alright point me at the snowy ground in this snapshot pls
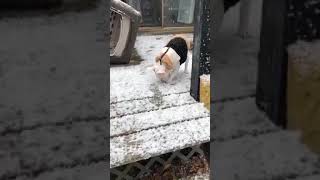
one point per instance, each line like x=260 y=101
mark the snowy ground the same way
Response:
x=139 y=81
x=146 y=114
x=247 y=146
x=56 y=130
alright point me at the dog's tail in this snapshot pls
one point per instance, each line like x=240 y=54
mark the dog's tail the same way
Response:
x=188 y=40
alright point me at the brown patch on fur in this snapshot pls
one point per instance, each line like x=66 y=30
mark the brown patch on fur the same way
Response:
x=166 y=60
x=157 y=58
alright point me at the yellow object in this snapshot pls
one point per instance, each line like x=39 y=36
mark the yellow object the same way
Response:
x=303 y=98
x=205 y=90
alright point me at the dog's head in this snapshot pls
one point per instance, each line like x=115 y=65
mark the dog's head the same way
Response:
x=163 y=67
x=165 y=63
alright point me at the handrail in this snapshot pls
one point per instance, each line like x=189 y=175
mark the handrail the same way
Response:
x=125 y=9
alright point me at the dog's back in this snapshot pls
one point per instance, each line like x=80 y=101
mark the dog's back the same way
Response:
x=179 y=45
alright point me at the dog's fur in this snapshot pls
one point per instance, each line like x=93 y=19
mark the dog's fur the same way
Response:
x=174 y=54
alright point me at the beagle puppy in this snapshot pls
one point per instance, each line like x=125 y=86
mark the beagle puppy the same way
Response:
x=171 y=57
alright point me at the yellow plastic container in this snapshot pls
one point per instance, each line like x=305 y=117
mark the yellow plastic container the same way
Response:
x=205 y=90
x=303 y=97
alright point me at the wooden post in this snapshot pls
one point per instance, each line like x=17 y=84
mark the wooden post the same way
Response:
x=201 y=40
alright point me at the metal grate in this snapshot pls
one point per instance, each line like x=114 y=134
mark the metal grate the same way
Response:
x=115 y=19
x=142 y=168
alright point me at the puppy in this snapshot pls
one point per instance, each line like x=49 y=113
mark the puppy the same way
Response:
x=171 y=57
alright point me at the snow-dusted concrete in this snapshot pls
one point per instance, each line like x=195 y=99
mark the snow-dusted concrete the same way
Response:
x=312 y=177
x=246 y=145
x=52 y=107
x=149 y=117
x=263 y=157
x=153 y=119
x=149 y=104
x=156 y=141
x=94 y=171
x=237 y=118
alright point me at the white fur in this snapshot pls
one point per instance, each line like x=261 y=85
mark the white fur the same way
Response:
x=171 y=75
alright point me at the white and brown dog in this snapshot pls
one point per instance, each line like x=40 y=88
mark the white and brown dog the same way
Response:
x=171 y=57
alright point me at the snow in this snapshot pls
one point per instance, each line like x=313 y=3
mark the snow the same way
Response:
x=149 y=117
x=149 y=143
x=305 y=56
x=120 y=109
x=205 y=77
x=130 y=82
x=46 y=71
x=137 y=122
x=237 y=118
x=47 y=80
x=84 y=172
x=247 y=145
x=270 y=156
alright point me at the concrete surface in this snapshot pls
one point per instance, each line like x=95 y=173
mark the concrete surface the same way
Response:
x=52 y=107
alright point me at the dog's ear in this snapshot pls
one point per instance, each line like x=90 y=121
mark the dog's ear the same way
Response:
x=167 y=61
x=157 y=58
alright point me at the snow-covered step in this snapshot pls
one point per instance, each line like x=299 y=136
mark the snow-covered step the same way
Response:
x=138 y=82
x=263 y=157
x=153 y=142
x=234 y=82
x=94 y=171
x=149 y=104
x=312 y=177
x=153 y=119
x=233 y=51
x=237 y=118
x=50 y=147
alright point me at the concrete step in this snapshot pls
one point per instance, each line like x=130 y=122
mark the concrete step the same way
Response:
x=233 y=119
x=124 y=108
x=312 y=177
x=46 y=148
x=154 y=119
x=234 y=82
x=153 y=142
x=137 y=82
x=93 y=171
x=270 y=156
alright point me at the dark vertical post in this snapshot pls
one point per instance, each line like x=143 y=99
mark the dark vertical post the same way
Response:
x=272 y=63
x=201 y=40
x=283 y=23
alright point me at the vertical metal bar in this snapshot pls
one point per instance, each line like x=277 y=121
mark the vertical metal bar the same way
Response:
x=272 y=62
x=201 y=39
x=162 y=13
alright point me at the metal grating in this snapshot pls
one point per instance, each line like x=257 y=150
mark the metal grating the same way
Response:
x=115 y=19
x=142 y=168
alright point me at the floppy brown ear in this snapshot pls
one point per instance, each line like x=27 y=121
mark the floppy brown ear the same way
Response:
x=166 y=60
x=157 y=58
